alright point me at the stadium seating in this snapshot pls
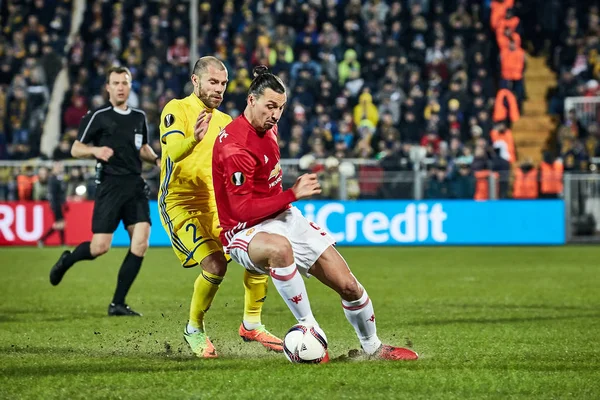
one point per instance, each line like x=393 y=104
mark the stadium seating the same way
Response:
x=575 y=57
x=367 y=79
x=34 y=35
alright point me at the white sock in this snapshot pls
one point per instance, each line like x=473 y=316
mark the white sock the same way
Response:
x=362 y=317
x=251 y=325
x=290 y=286
x=192 y=329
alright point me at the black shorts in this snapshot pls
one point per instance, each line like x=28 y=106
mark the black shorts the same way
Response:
x=120 y=198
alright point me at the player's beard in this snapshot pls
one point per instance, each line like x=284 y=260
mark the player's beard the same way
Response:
x=207 y=99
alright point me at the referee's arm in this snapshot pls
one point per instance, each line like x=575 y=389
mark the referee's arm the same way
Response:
x=82 y=150
x=88 y=129
x=147 y=154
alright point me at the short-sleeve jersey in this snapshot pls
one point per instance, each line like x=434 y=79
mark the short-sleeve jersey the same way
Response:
x=125 y=132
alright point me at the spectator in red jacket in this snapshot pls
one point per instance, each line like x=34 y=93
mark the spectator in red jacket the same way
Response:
x=75 y=112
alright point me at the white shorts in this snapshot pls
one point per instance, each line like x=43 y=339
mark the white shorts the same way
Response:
x=308 y=240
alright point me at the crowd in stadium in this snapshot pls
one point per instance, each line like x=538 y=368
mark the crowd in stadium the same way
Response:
x=575 y=57
x=367 y=79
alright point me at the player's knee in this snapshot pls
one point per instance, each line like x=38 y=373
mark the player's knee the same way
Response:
x=139 y=247
x=99 y=248
x=281 y=253
x=350 y=289
x=140 y=238
x=215 y=264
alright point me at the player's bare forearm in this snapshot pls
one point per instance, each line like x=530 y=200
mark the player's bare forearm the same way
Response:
x=82 y=150
x=147 y=154
x=178 y=147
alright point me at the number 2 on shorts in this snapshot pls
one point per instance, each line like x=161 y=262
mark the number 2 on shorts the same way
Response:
x=187 y=228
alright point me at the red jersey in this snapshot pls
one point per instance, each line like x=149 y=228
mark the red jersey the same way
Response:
x=247 y=177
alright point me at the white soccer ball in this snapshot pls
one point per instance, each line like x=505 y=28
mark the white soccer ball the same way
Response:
x=305 y=344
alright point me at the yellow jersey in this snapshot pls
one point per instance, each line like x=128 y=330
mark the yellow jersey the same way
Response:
x=186 y=185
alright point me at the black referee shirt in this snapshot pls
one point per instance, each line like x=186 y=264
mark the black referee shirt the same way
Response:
x=123 y=131
x=56 y=192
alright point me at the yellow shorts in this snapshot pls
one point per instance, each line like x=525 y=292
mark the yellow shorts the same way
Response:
x=194 y=236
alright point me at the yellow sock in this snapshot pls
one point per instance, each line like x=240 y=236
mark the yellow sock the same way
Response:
x=205 y=289
x=255 y=286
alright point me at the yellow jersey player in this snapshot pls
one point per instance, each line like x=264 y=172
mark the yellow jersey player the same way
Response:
x=188 y=211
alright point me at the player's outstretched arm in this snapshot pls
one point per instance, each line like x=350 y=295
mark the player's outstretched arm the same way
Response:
x=245 y=207
x=179 y=147
x=306 y=186
x=239 y=168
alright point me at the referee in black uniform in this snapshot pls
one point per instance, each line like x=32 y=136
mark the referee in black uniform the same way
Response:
x=57 y=200
x=116 y=135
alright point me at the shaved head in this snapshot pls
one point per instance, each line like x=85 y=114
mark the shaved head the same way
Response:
x=203 y=63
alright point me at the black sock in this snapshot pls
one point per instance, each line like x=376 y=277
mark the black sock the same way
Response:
x=81 y=252
x=62 y=236
x=47 y=234
x=129 y=270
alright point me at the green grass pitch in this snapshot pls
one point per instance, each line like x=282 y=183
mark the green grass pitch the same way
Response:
x=490 y=322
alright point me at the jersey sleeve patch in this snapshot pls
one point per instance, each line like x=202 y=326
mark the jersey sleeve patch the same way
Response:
x=238 y=178
x=169 y=120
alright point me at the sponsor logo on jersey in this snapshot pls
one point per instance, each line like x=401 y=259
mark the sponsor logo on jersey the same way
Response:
x=169 y=120
x=277 y=174
x=266 y=159
x=275 y=171
x=238 y=178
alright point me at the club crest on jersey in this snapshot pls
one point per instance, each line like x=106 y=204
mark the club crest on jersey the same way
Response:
x=275 y=171
x=169 y=120
x=238 y=178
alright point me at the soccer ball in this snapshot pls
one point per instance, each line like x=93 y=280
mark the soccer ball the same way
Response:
x=305 y=344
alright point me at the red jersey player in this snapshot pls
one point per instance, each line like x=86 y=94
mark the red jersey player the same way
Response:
x=265 y=234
